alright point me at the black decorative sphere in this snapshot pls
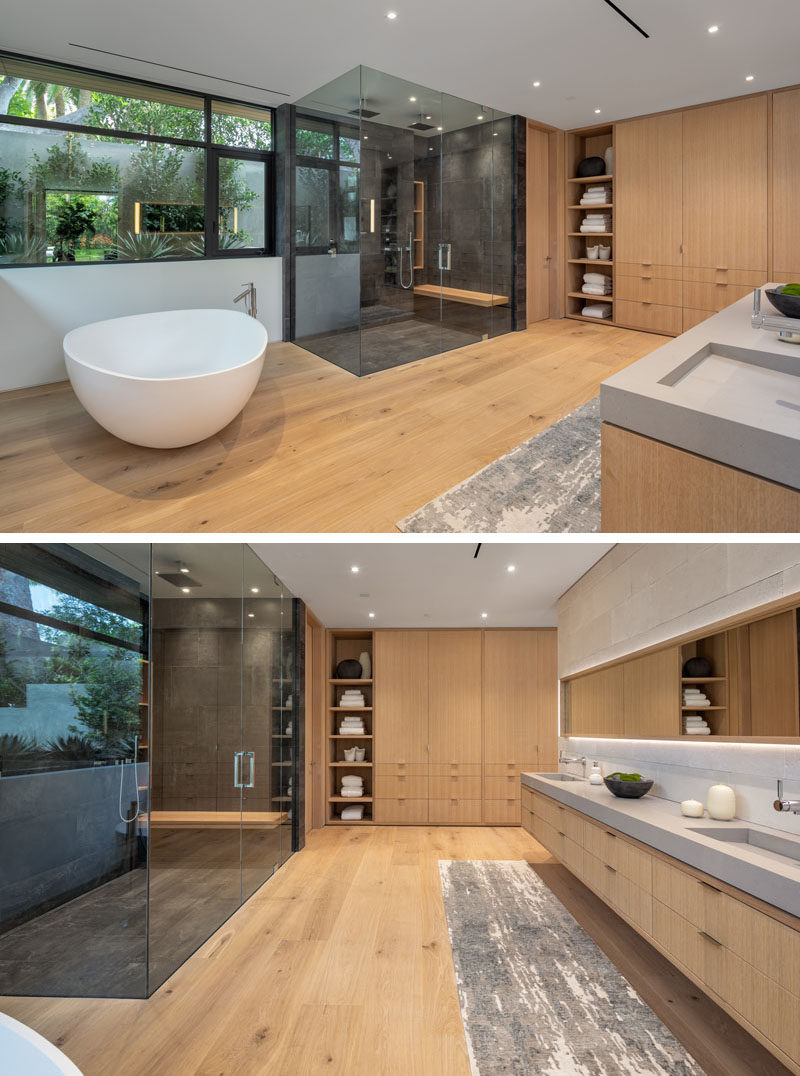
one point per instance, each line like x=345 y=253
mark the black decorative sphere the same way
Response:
x=591 y=166
x=349 y=669
x=697 y=667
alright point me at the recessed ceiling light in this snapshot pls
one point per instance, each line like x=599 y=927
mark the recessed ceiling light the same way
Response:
x=495 y=134
x=713 y=29
x=440 y=128
x=480 y=117
x=254 y=590
x=391 y=14
x=251 y=615
x=511 y=568
x=354 y=569
x=749 y=78
x=371 y=616
x=597 y=112
x=537 y=85
x=430 y=149
x=186 y=590
x=184 y=570
x=412 y=98
x=484 y=616
x=427 y=117
x=366 y=138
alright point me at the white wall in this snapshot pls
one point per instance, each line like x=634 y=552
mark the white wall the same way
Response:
x=39 y=305
x=639 y=595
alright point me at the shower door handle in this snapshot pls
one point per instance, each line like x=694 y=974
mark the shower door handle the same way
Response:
x=237 y=769
x=445 y=254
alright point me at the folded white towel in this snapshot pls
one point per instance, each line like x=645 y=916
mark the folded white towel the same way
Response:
x=596 y=310
x=593 y=188
x=595 y=289
x=352 y=814
x=698 y=732
x=594 y=199
x=597 y=216
x=346 y=730
x=352 y=793
x=592 y=227
x=596 y=278
x=351 y=779
x=696 y=722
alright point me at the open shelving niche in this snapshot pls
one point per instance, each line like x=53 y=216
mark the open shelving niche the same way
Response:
x=343 y=644
x=715 y=685
x=589 y=142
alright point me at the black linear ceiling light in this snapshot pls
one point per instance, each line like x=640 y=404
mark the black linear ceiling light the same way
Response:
x=627 y=18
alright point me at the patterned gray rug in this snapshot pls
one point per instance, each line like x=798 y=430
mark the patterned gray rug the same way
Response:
x=537 y=995
x=550 y=483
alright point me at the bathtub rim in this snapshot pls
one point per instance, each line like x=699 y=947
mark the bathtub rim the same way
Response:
x=70 y=355
x=47 y=1049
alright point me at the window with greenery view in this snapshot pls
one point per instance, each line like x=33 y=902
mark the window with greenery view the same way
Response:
x=126 y=180
x=326 y=185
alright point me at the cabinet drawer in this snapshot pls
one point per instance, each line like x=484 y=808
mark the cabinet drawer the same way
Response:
x=747 y=278
x=572 y=856
x=658 y=272
x=692 y=317
x=397 y=769
x=648 y=289
x=526 y=819
x=403 y=786
x=455 y=812
x=500 y=769
x=635 y=903
x=502 y=788
x=548 y=836
x=498 y=812
x=600 y=876
x=549 y=811
x=572 y=824
x=526 y=796
x=454 y=787
x=400 y=812
x=660 y=319
x=445 y=769
x=712 y=296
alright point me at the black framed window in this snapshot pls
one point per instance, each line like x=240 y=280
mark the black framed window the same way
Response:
x=326 y=185
x=99 y=169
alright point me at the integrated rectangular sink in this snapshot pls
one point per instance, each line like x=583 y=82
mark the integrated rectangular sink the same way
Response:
x=740 y=384
x=558 y=776
x=770 y=845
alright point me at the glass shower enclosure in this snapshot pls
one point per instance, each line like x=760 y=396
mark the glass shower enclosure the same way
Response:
x=150 y=710
x=403 y=222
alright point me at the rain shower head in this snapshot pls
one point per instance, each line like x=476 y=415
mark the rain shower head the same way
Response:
x=179 y=579
x=362 y=111
x=420 y=126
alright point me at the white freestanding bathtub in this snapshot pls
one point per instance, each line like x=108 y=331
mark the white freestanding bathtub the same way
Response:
x=167 y=379
x=24 y=1052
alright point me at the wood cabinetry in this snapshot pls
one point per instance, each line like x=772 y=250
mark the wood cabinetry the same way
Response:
x=401 y=696
x=648 y=156
x=454 y=696
x=773 y=688
x=785 y=172
x=595 y=703
x=743 y=953
x=650 y=694
x=725 y=185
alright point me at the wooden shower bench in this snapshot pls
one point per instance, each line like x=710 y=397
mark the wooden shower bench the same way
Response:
x=459 y=295
x=214 y=819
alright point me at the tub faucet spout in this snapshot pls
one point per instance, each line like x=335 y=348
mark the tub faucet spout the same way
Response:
x=249 y=294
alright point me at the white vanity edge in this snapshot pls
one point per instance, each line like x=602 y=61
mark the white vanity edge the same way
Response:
x=634 y=400
x=660 y=824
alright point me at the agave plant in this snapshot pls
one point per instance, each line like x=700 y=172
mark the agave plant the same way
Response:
x=144 y=246
x=72 y=749
x=13 y=746
x=15 y=248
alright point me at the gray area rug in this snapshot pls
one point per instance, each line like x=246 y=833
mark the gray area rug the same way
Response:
x=537 y=995
x=550 y=483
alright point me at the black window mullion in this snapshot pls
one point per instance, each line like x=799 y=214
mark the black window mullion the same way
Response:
x=211 y=208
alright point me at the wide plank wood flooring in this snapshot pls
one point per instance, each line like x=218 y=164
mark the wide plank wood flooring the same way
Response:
x=341 y=964
x=316 y=449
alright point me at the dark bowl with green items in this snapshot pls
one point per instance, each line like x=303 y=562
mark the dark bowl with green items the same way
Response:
x=786 y=299
x=628 y=786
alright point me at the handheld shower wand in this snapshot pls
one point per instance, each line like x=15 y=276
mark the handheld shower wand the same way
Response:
x=410 y=249
x=137 y=812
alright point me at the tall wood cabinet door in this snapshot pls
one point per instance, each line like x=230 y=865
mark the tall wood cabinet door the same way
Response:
x=648 y=196
x=520 y=693
x=773 y=676
x=596 y=704
x=725 y=185
x=454 y=696
x=401 y=696
x=651 y=694
x=785 y=173
x=547 y=700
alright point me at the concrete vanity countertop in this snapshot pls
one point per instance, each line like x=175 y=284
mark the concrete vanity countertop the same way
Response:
x=660 y=824
x=745 y=414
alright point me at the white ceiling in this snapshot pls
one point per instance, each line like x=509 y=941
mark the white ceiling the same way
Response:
x=582 y=52
x=412 y=584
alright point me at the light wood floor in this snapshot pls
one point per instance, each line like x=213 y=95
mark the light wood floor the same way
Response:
x=342 y=964
x=316 y=449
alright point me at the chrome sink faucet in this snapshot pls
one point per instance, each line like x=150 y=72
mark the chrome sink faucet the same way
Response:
x=781 y=804
x=567 y=759
x=249 y=294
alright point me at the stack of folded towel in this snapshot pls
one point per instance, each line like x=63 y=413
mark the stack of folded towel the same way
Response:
x=694 y=697
x=352 y=698
x=596 y=310
x=596 y=284
x=596 y=222
x=354 y=813
x=695 y=725
x=599 y=194
x=352 y=787
x=352 y=726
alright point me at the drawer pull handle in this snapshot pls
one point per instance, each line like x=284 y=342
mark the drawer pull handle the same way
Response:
x=722 y=268
x=708 y=885
x=646 y=263
x=649 y=277
x=608 y=867
x=561 y=833
x=608 y=833
x=708 y=938
x=645 y=302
